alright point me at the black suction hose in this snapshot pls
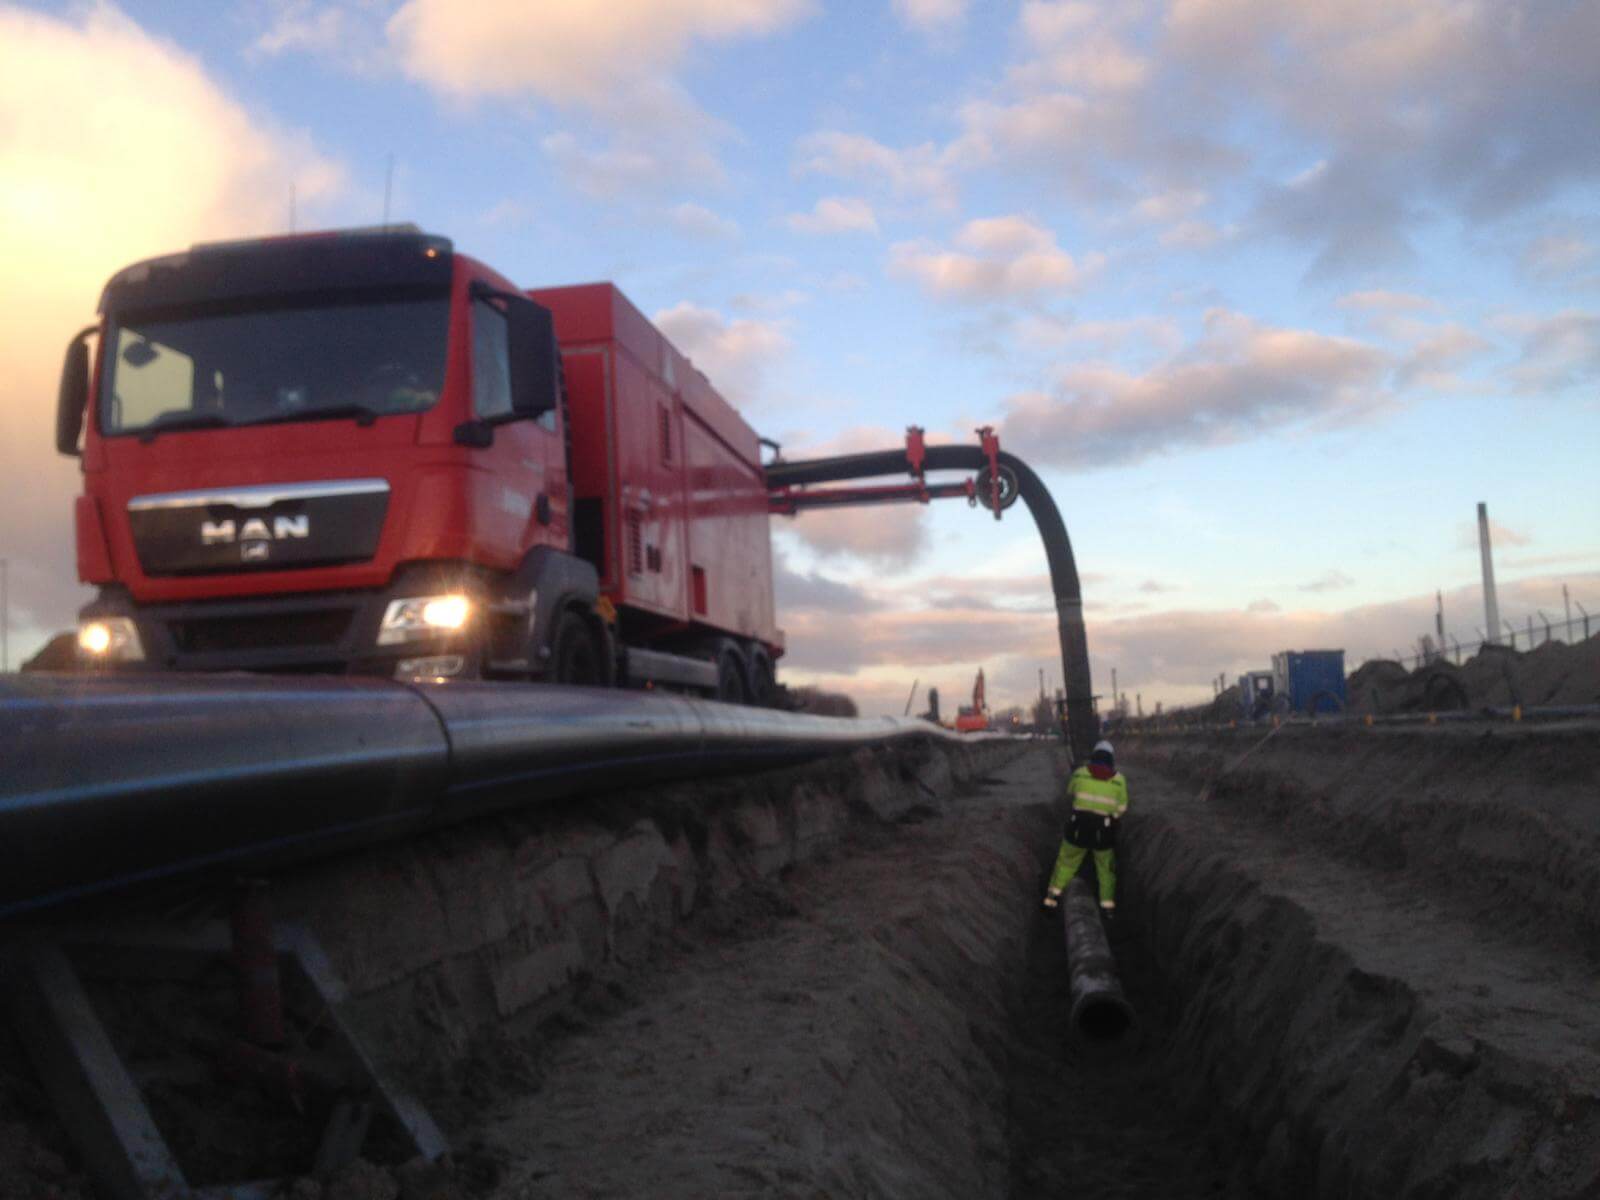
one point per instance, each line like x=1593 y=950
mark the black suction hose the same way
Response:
x=1082 y=727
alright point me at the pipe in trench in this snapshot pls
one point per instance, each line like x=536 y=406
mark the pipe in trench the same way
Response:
x=1100 y=1012
x=1082 y=726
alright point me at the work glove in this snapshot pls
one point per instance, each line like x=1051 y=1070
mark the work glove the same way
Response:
x=1051 y=896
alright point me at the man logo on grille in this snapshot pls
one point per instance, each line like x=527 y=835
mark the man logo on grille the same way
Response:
x=256 y=529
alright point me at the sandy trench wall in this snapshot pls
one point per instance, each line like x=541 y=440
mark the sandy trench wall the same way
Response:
x=438 y=938
x=1338 y=1081
x=1507 y=820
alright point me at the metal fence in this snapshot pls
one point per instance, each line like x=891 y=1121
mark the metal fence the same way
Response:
x=1527 y=634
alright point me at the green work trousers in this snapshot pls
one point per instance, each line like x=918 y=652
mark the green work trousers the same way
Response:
x=1070 y=858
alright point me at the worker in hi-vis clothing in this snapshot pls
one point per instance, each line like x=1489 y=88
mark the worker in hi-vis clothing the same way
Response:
x=1099 y=796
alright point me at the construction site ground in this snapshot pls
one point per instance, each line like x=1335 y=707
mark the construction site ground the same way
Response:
x=1359 y=968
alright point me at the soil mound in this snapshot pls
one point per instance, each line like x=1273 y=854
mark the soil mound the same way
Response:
x=1552 y=674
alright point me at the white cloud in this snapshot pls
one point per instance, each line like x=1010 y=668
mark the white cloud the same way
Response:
x=1433 y=362
x=1240 y=379
x=1192 y=235
x=628 y=166
x=1106 y=338
x=697 y=221
x=931 y=16
x=136 y=151
x=1387 y=302
x=615 y=62
x=1407 y=111
x=891 y=536
x=1046 y=23
x=569 y=51
x=302 y=25
x=1170 y=205
x=922 y=172
x=1557 y=352
x=1500 y=536
x=735 y=355
x=835 y=214
x=1558 y=256
x=1332 y=580
x=995 y=258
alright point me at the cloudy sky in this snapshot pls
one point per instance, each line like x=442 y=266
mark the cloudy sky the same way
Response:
x=1272 y=293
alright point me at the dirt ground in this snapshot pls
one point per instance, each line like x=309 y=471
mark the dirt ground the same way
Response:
x=1366 y=965
x=1389 y=951
x=886 y=1023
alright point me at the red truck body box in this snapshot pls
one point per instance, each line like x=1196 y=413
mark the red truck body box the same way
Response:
x=669 y=495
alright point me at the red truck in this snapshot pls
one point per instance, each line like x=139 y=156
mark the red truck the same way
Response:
x=362 y=452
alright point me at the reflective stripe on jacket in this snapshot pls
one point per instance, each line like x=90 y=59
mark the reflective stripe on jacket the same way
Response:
x=1108 y=797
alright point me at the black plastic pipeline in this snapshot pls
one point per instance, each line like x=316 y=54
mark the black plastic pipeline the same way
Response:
x=1100 y=1012
x=107 y=781
x=1082 y=727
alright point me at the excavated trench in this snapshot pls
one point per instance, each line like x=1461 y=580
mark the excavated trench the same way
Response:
x=836 y=981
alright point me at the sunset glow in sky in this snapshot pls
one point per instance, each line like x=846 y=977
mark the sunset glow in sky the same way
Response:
x=1272 y=293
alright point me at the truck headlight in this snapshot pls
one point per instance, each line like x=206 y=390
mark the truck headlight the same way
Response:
x=110 y=639
x=423 y=616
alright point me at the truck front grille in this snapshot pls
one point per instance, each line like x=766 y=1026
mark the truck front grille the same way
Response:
x=274 y=631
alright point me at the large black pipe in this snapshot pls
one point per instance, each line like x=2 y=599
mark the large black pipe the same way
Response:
x=109 y=780
x=1082 y=726
x=1100 y=1012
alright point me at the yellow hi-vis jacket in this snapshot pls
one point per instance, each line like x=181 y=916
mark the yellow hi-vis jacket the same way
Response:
x=1104 y=797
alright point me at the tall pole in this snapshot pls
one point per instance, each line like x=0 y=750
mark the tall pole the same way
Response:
x=1438 y=619
x=1566 y=603
x=1113 y=689
x=1491 y=603
x=389 y=181
x=5 y=615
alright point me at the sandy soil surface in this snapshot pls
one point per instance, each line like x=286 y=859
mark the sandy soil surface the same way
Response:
x=816 y=1038
x=1400 y=933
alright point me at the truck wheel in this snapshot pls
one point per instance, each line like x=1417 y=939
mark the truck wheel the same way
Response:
x=573 y=654
x=732 y=684
x=763 y=681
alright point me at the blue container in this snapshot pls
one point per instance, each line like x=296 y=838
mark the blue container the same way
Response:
x=1312 y=681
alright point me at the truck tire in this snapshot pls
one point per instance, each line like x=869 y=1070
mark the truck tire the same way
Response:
x=574 y=657
x=733 y=680
x=763 y=680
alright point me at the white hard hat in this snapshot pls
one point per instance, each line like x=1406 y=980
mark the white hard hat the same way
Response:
x=1105 y=746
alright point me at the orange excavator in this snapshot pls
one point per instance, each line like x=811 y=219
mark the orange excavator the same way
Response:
x=974 y=718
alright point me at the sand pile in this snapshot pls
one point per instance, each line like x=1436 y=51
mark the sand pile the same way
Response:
x=1554 y=673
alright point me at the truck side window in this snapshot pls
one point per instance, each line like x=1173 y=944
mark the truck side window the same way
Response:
x=491 y=364
x=152 y=379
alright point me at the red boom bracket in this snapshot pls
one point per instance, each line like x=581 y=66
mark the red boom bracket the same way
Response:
x=994 y=487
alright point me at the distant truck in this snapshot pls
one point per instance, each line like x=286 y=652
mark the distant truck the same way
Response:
x=363 y=452
x=1256 y=693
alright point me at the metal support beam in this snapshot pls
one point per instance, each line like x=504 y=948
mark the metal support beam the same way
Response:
x=95 y=1097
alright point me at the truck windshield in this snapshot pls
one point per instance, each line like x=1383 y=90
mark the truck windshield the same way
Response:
x=208 y=369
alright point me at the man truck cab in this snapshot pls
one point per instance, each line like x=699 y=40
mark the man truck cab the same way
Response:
x=363 y=452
